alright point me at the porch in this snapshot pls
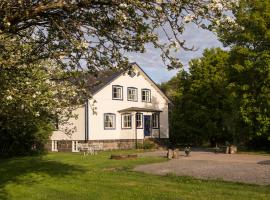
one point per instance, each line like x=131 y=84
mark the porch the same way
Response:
x=143 y=122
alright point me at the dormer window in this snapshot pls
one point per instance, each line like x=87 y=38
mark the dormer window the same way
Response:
x=146 y=95
x=132 y=94
x=117 y=92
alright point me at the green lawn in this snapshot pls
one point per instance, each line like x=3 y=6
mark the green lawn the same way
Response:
x=72 y=176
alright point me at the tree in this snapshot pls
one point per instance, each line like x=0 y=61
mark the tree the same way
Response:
x=204 y=104
x=99 y=31
x=45 y=44
x=229 y=92
x=249 y=39
x=34 y=97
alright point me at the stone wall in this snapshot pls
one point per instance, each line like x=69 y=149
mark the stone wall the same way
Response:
x=66 y=145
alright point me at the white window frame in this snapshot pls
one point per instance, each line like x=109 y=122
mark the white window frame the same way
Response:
x=134 y=95
x=54 y=145
x=120 y=88
x=113 y=120
x=140 y=119
x=127 y=121
x=147 y=95
x=75 y=146
x=155 y=121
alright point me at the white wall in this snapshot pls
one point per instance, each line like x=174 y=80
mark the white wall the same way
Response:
x=74 y=124
x=105 y=104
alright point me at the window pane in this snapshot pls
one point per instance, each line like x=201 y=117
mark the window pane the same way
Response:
x=132 y=94
x=139 y=120
x=143 y=96
x=109 y=121
x=126 y=121
x=155 y=121
x=146 y=95
x=117 y=92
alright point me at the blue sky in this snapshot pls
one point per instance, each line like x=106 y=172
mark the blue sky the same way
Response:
x=153 y=65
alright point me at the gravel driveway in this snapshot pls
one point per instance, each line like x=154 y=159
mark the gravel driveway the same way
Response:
x=244 y=168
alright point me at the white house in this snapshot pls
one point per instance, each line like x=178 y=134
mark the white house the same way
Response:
x=126 y=108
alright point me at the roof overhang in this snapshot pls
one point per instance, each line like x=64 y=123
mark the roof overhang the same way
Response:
x=137 y=109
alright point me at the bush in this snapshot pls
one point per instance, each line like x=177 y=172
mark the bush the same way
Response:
x=147 y=144
x=23 y=135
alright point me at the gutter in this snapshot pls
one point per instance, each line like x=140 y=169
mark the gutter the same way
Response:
x=86 y=121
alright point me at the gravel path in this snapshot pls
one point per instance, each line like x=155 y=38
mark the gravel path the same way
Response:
x=244 y=168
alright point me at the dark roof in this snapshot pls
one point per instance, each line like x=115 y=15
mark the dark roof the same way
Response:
x=137 y=109
x=95 y=82
x=102 y=80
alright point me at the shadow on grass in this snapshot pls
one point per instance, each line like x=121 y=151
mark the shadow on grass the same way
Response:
x=13 y=171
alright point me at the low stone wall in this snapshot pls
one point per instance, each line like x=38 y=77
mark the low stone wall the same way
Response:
x=66 y=145
x=116 y=144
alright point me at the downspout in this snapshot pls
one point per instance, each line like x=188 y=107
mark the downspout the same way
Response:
x=136 y=136
x=86 y=121
x=159 y=125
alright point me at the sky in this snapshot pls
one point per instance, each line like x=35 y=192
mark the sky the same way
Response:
x=151 y=61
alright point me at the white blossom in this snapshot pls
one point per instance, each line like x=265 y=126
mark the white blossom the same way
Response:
x=37 y=114
x=189 y=18
x=229 y=19
x=47 y=81
x=123 y=5
x=219 y=6
x=9 y=98
x=61 y=57
x=85 y=45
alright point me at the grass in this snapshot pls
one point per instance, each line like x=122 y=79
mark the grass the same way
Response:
x=72 y=176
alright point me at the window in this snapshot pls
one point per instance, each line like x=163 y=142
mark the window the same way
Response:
x=132 y=94
x=126 y=120
x=109 y=121
x=146 y=95
x=54 y=145
x=117 y=92
x=139 y=117
x=75 y=146
x=155 y=120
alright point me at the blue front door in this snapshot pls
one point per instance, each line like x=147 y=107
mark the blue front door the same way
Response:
x=147 y=125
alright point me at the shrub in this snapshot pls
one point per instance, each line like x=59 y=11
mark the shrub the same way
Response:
x=147 y=144
x=23 y=135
